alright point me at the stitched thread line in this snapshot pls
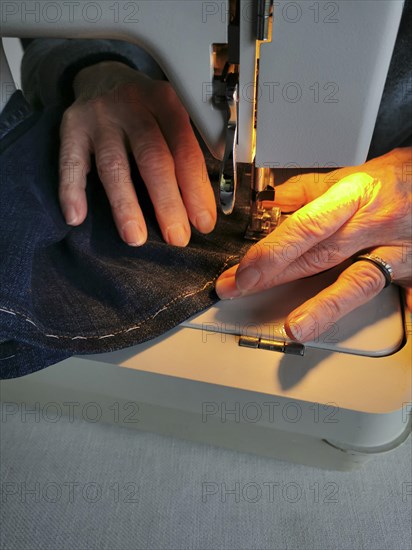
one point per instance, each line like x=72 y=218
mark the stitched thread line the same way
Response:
x=123 y=331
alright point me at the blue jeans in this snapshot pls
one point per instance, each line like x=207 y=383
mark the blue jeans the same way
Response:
x=65 y=290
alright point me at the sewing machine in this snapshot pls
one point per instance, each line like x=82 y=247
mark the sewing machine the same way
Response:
x=269 y=84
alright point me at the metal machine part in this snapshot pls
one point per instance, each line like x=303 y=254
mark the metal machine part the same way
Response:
x=291 y=348
x=264 y=15
x=228 y=173
x=263 y=218
x=324 y=59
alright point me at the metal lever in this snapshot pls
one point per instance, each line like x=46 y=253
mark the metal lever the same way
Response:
x=228 y=175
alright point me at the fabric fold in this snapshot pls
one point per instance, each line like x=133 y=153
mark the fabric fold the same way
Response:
x=79 y=290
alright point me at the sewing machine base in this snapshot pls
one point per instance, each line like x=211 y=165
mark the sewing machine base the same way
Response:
x=97 y=392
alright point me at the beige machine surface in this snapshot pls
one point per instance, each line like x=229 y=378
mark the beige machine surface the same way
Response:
x=292 y=74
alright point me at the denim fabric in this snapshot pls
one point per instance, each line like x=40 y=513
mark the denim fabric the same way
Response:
x=65 y=290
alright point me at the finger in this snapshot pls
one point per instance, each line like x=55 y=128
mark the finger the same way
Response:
x=328 y=254
x=304 y=186
x=409 y=299
x=345 y=243
x=300 y=189
x=358 y=284
x=74 y=165
x=114 y=172
x=299 y=233
x=157 y=169
x=190 y=166
x=226 y=284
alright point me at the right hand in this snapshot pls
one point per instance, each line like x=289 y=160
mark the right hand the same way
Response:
x=129 y=111
x=352 y=211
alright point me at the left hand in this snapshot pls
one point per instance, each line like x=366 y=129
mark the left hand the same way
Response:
x=361 y=209
x=130 y=112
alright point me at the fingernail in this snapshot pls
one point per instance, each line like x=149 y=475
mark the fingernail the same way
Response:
x=177 y=235
x=299 y=327
x=248 y=278
x=205 y=222
x=226 y=288
x=133 y=234
x=71 y=215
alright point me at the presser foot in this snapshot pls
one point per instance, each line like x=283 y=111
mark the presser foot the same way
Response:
x=262 y=222
x=263 y=219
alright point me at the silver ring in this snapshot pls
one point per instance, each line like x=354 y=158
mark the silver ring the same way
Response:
x=384 y=267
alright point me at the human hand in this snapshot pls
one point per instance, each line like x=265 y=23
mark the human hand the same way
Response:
x=336 y=216
x=129 y=111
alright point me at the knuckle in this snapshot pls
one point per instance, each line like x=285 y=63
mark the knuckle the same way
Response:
x=166 y=205
x=367 y=280
x=310 y=263
x=164 y=94
x=130 y=92
x=99 y=104
x=70 y=117
x=401 y=207
x=404 y=210
x=371 y=282
x=269 y=257
x=332 y=307
x=72 y=124
x=147 y=155
x=146 y=125
x=110 y=163
x=151 y=159
x=68 y=144
x=70 y=153
x=165 y=91
x=71 y=169
x=256 y=253
x=188 y=155
x=320 y=257
x=68 y=158
x=309 y=225
x=122 y=205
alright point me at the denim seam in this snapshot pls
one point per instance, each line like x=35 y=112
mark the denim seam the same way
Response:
x=9 y=357
x=130 y=329
x=13 y=120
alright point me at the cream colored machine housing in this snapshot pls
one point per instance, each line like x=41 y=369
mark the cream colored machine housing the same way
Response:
x=306 y=98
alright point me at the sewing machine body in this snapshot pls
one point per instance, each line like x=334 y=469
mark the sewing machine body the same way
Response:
x=312 y=103
x=319 y=82
x=309 y=80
